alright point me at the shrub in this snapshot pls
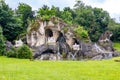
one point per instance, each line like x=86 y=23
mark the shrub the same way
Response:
x=2 y=43
x=65 y=29
x=12 y=53
x=81 y=33
x=24 y=52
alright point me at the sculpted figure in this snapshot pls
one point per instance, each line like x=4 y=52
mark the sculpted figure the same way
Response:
x=105 y=36
x=18 y=43
x=105 y=41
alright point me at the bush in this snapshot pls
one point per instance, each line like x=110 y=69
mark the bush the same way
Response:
x=81 y=33
x=24 y=52
x=12 y=53
x=65 y=29
x=2 y=43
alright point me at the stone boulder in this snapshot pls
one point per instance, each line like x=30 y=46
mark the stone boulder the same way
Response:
x=9 y=45
x=98 y=57
x=44 y=49
x=115 y=54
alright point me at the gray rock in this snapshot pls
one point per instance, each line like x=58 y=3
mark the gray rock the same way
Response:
x=9 y=45
x=49 y=56
x=115 y=54
x=107 y=55
x=44 y=57
x=98 y=57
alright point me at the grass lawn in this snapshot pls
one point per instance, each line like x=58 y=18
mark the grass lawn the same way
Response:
x=117 y=46
x=21 y=69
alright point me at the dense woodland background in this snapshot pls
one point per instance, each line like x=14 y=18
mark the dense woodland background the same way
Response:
x=95 y=21
x=91 y=21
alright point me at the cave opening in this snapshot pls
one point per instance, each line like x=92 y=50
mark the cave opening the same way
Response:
x=48 y=33
x=76 y=41
x=48 y=51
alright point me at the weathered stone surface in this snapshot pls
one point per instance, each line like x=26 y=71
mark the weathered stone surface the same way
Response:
x=107 y=55
x=49 y=56
x=105 y=42
x=43 y=49
x=115 y=54
x=98 y=57
x=18 y=43
x=9 y=45
x=50 y=41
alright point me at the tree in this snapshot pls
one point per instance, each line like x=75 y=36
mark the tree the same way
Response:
x=115 y=28
x=94 y=20
x=81 y=33
x=25 y=13
x=46 y=13
x=2 y=43
x=11 y=26
x=57 y=11
x=73 y=15
x=66 y=16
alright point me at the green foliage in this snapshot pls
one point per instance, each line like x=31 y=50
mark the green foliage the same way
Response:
x=56 y=11
x=24 y=52
x=12 y=53
x=94 y=20
x=45 y=13
x=117 y=46
x=65 y=29
x=33 y=26
x=66 y=16
x=24 y=13
x=81 y=33
x=10 y=24
x=115 y=28
x=71 y=11
x=12 y=30
x=2 y=43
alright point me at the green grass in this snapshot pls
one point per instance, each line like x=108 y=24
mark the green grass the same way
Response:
x=117 y=46
x=24 y=69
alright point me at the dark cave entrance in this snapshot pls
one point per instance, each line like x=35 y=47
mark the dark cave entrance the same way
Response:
x=75 y=41
x=48 y=51
x=48 y=33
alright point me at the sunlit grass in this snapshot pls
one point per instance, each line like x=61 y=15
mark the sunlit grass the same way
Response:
x=21 y=69
x=117 y=46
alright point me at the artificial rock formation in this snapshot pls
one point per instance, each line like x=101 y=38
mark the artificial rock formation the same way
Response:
x=105 y=41
x=49 y=37
x=18 y=43
x=43 y=32
x=55 y=40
